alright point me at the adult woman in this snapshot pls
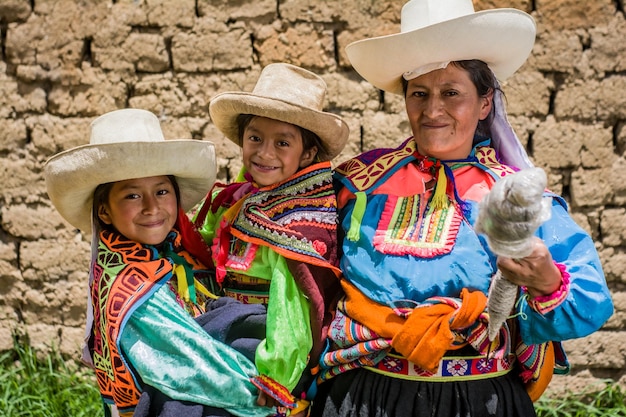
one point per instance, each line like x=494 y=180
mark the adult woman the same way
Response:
x=409 y=338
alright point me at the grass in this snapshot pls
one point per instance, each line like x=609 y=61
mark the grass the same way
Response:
x=36 y=386
x=608 y=402
x=33 y=385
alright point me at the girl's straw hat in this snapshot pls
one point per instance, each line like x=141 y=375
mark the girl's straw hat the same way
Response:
x=287 y=93
x=434 y=32
x=126 y=144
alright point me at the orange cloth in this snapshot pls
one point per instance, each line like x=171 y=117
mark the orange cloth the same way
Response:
x=426 y=335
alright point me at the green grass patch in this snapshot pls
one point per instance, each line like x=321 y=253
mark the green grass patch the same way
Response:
x=608 y=402
x=34 y=385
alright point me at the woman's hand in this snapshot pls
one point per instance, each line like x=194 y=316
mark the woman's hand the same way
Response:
x=537 y=272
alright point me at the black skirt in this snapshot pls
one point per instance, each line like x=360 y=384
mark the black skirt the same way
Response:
x=363 y=393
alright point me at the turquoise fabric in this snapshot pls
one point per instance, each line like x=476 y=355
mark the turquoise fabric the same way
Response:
x=183 y=361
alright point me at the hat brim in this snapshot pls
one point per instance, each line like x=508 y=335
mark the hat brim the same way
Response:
x=73 y=175
x=502 y=38
x=225 y=107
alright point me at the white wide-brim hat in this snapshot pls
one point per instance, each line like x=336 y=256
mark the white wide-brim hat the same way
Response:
x=440 y=31
x=287 y=93
x=126 y=144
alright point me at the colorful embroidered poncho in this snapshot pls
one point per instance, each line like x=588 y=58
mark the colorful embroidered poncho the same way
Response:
x=410 y=244
x=143 y=330
x=285 y=235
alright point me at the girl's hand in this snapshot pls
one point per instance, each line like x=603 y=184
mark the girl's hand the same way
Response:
x=265 y=400
x=537 y=272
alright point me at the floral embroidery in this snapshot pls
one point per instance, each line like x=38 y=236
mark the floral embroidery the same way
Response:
x=457 y=367
x=320 y=247
x=392 y=365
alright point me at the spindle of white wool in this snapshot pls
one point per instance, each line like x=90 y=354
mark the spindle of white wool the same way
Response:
x=508 y=217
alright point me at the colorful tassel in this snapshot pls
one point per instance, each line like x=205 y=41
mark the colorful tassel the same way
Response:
x=184 y=276
x=203 y=290
x=440 y=196
x=181 y=278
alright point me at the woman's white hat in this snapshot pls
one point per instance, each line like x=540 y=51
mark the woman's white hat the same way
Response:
x=433 y=32
x=287 y=93
x=126 y=144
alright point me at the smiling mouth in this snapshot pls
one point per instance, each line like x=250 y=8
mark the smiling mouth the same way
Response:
x=434 y=125
x=157 y=223
x=264 y=167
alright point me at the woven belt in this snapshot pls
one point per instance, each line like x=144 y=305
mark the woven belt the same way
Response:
x=247 y=289
x=248 y=297
x=450 y=368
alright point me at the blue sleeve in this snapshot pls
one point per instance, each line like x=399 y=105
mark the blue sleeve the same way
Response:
x=588 y=304
x=171 y=352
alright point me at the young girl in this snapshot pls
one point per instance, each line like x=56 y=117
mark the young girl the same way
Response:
x=131 y=187
x=273 y=234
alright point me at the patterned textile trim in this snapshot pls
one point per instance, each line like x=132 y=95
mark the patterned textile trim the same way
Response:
x=368 y=169
x=358 y=347
x=246 y=289
x=487 y=157
x=409 y=226
x=547 y=303
x=275 y=390
x=450 y=368
x=532 y=357
x=248 y=297
x=361 y=344
x=241 y=255
x=273 y=217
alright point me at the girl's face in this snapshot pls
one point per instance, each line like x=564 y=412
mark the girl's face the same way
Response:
x=273 y=150
x=444 y=109
x=142 y=209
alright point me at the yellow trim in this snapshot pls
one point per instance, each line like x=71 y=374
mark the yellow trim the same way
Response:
x=181 y=280
x=301 y=405
x=203 y=290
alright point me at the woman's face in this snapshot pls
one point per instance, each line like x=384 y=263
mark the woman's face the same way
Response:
x=444 y=108
x=273 y=150
x=143 y=209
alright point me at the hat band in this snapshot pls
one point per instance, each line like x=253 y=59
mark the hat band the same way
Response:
x=424 y=69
